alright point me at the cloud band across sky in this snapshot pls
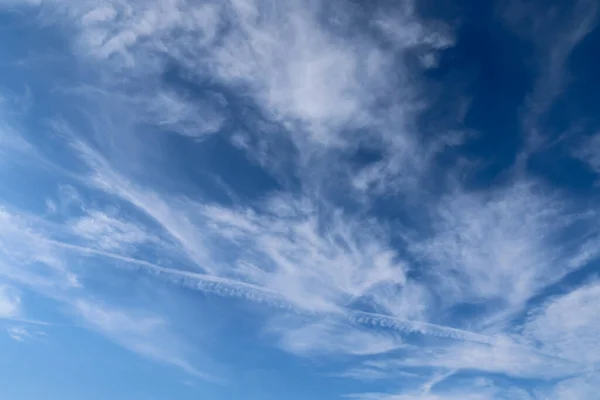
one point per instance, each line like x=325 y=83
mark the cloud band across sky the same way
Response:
x=402 y=195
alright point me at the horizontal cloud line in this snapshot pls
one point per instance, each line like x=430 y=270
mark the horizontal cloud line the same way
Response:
x=28 y=321
x=423 y=328
x=441 y=331
x=232 y=288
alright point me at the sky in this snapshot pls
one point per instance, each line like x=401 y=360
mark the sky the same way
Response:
x=299 y=199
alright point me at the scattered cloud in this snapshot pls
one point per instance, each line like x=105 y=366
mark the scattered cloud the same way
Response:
x=19 y=333
x=48 y=267
x=485 y=244
x=510 y=360
x=588 y=152
x=567 y=334
x=555 y=33
x=139 y=331
x=585 y=387
x=10 y=302
x=28 y=258
x=475 y=389
x=108 y=232
x=332 y=337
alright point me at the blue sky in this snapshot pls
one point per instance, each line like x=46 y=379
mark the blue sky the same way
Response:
x=259 y=199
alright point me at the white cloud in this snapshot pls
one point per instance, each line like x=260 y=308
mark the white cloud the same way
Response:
x=320 y=262
x=11 y=143
x=185 y=116
x=32 y=257
x=469 y=389
x=306 y=75
x=9 y=3
x=316 y=264
x=569 y=326
x=509 y=359
x=18 y=333
x=324 y=261
x=583 y=388
x=555 y=32
x=450 y=396
x=119 y=28
x=103 y=13
x=28 y=257
x=406 y=31
x=464 y=394
x=176 y=223
x=299 y=69
x=372 y=373
x=109 y=232
x=327 y=93
x=499 y=246
x=589 y=152
x=10 y=302
x=420 y=327
x=139 y=331
x=326 y=337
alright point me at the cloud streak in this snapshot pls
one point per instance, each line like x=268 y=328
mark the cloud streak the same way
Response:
x=10 y=302
x=361 y=236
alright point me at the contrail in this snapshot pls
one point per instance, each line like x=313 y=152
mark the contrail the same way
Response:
x=232 y=288
x=193 y=280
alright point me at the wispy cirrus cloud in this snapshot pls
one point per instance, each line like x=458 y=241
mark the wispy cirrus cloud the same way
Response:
x=498 y=240
x=276 y=246
x=355 y=248
x=540 y=26
x=280 y=246
x=10 y=302
x=584 y=387
x=18 y=333
x=312 y=81
x=22 y=333
x=558 y=330
x=457 y=394
x=587 y=151
x=23 y=243
x=12 y=315
x=139 y=331
x=332 y=336
x=35 y=259
x=108 y=232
